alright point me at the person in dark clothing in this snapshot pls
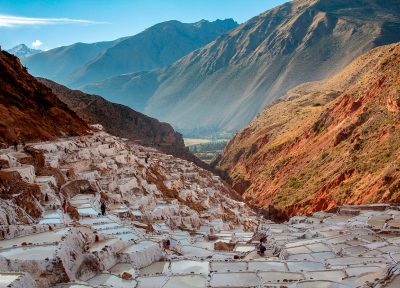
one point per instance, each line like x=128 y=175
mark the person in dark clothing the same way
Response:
x=103 y=208
x=146 y=159
x=261 y=247
x=15 y=145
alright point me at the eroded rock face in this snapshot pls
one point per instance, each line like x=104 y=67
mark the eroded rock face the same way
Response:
x=29 y=110
x=326 y=144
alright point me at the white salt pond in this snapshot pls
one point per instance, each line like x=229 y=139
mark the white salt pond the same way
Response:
x=186 y=281
x=195 y=251
x=8 y=278
x=244 y=279
x=244 y=248
x=30 y=252
x=155 y=268
x=40 y=238
x=228 y=266
x=267 y=266
x=151 y=282
x=189 y=266
x=98 y=246
x=140 y=246
x=279 y=277
x=110 y=280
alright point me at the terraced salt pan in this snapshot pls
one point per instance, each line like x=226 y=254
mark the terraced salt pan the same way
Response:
x=128 y=237
x=87 y=211
x=279 y=277
x=36 y=239
x=110 y=280
x=267 y=266
x=151 y=282
x=189 y=266
x=244 y=248
x=186 y=281
x=8 y=278
x=332 y=275
x=228 y=266
x=320 y=284
x=50 y=221
x=299 y=266
x=106 y=226
x=242 y=279
x=30 y=252
x=115 y=231
x=159 y=267
x=98 y=246
x=193 y=251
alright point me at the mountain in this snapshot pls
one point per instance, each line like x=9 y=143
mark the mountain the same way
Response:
x=326 y=143
x=58 y=63
x=124 y=122
x=223 y=85
x=155 y=47
x=29 y=111
x=22 y=51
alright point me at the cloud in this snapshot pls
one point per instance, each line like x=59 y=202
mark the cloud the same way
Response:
x=37 y=43
x=13 y=21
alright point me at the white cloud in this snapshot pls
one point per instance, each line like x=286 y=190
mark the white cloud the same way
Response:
x=12 y=21
x=37 y=43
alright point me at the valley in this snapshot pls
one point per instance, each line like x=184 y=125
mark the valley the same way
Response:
x=259 y=153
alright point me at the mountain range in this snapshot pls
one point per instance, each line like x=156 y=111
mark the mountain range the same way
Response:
x=155 y=47
x=326 y=143
x=224 y=84
x=23 y=51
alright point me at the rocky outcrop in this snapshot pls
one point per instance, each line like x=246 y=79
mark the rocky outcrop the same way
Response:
x=326 y=144
x=29 y=111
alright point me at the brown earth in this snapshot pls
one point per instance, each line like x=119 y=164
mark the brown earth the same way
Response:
x=29 y=111
x=326 y=143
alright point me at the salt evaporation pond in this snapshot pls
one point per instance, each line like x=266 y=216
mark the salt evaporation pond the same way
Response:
x=30 y=252
x=186 y=281
x=267 y=266
x=7 y=279
x=110 y=280
x=189 y=266
x=228 y=266
x=243 y=279
x=155 y=268
x=40 y=238
x=151 y=282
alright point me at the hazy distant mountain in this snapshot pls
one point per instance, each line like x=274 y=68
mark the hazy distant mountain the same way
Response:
x=22 y=51
x=223 y=85
x=58 y=63
x=156 y=47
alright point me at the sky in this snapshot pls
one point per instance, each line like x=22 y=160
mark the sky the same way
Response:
x=46 y=24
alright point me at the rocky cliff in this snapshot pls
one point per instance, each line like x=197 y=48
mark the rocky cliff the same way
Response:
x=326 y=144
x=29 y=111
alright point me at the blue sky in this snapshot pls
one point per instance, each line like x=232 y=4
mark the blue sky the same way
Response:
x=51 y=23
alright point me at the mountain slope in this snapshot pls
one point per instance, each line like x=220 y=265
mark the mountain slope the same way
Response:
x=122 y=121
x=155 y=47
x=29 y=111
x=226 y=83
x=22 y=51
x=58 y=63
x=327 y=143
